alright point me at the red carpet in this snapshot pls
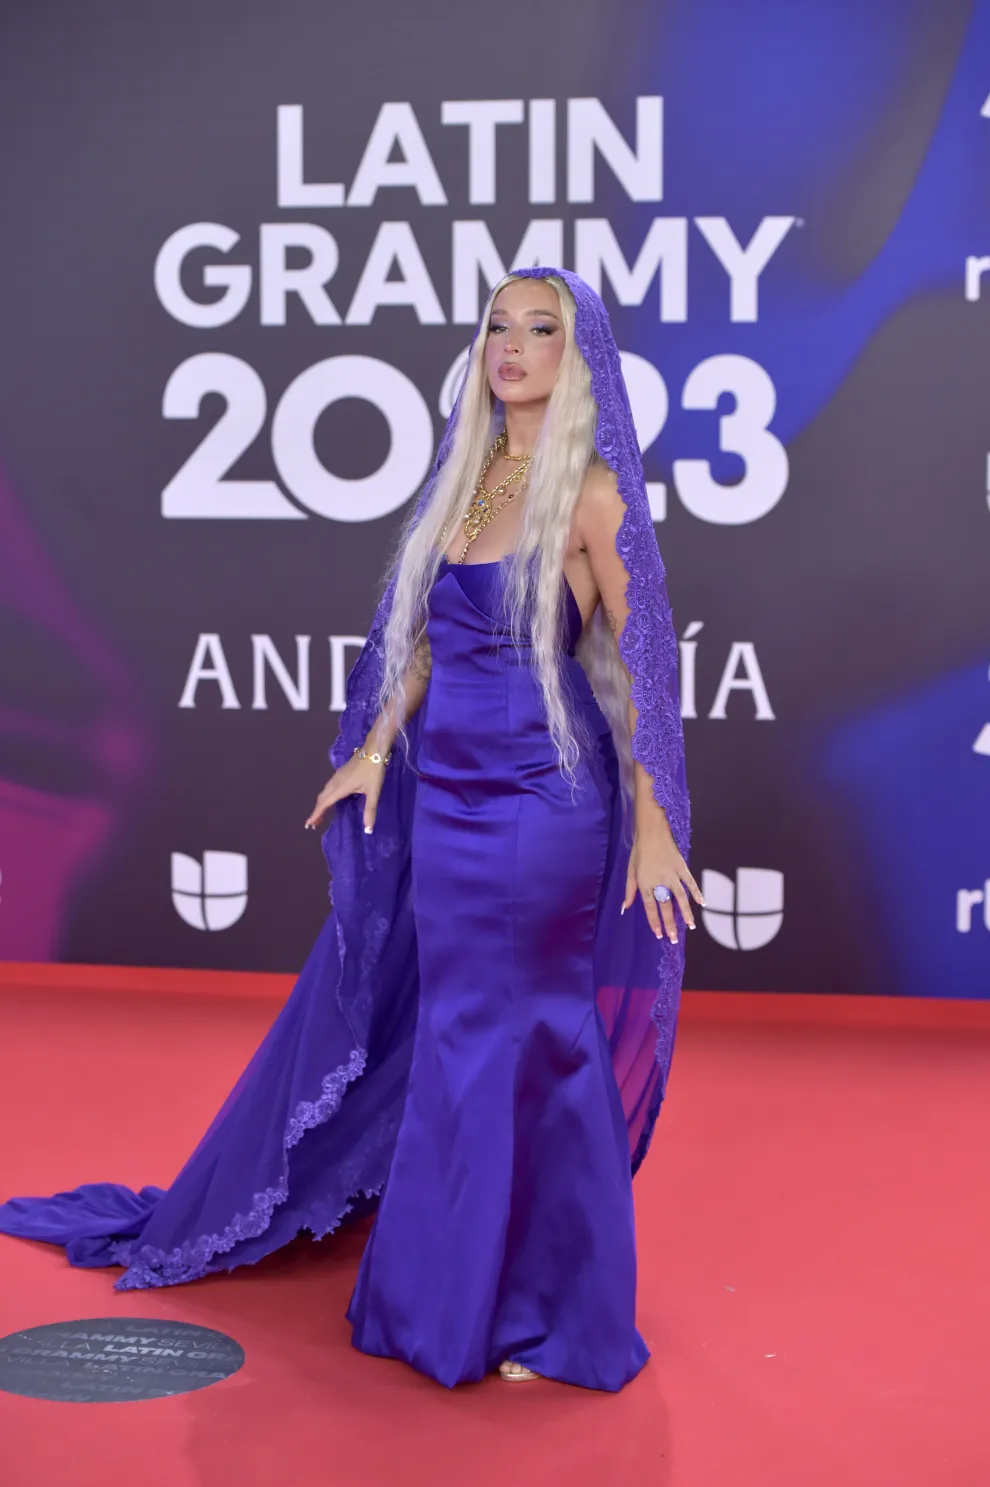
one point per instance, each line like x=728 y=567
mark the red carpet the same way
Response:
x=814 y=1225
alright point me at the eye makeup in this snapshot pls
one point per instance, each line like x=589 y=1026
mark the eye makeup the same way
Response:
x=545 y=330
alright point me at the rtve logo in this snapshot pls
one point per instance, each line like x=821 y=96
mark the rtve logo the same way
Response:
x=744 y=914
x=211 y=894
x=968 y=899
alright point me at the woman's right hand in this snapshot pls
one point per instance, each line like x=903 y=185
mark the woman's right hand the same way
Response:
x=356 y=777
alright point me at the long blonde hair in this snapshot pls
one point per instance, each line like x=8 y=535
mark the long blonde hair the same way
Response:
x=562 y=455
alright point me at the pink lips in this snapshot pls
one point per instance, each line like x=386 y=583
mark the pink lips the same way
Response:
x=510 y=371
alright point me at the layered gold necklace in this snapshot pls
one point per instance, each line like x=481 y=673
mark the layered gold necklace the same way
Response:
x=484 y=505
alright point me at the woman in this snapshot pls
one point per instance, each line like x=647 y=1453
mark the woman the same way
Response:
x=496 y=1027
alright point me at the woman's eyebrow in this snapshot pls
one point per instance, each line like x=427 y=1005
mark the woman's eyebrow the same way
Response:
x=550 y=313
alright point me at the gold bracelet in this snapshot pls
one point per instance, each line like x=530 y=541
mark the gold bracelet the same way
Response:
x=374 y=758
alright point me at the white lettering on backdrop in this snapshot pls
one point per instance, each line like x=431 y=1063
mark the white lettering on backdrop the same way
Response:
x=395 y=273
x=210 y=671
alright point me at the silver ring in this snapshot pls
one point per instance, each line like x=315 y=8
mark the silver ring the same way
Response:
x=661 y=894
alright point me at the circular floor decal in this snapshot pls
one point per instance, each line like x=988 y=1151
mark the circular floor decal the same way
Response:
x=115 y=1358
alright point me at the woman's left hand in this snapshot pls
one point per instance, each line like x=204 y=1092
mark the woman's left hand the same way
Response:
x=655 y=862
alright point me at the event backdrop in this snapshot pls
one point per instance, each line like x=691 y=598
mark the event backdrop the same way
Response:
x=243 y=250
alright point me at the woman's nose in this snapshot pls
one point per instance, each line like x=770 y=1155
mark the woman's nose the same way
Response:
x=513 y=342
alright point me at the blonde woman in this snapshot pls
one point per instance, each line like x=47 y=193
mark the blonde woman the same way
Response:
x=478 y=1044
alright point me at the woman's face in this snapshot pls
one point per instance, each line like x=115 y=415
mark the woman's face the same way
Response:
x=525 y=342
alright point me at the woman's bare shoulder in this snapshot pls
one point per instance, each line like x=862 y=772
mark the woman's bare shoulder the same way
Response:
x=600 y=479
x=599 y=500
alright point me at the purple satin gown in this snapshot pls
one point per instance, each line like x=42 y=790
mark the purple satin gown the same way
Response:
x=506 y=1225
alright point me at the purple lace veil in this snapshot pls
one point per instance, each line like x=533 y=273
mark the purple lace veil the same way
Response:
x=306 y=1136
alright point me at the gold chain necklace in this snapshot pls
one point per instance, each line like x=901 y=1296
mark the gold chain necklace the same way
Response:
x=483 y=509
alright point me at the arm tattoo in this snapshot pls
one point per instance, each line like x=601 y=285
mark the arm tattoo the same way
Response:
x=422 y=661
x=611 y=621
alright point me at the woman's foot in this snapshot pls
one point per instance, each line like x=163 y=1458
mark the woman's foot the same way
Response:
x=516 y=1373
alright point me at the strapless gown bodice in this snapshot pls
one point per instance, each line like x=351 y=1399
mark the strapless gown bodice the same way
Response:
x=472 y=647
x=476 y=635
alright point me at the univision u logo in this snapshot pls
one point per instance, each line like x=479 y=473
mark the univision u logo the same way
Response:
x=211 y=894
x=744 y=914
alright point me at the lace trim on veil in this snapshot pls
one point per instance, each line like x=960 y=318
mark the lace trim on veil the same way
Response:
x=149 y=1267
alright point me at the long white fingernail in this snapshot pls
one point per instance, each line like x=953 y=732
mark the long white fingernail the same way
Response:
x=367 y=831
